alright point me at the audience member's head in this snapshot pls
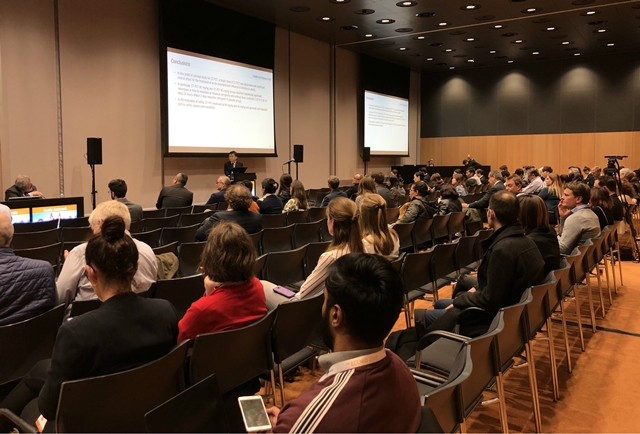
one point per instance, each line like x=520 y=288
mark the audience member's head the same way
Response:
x=233 y=156
x=448 y=191
x=596 y=171
x=554 y=184
x=606 y=182
x=238 y=197
x=533 y=174
x=373 y=224
x=299 y=194
x=333 y=182
x=181 y=179
x=366 y=186
x=575 y=194
x=586 y=171
x=357 y=178
x=394 y=172
x=513 y=184
x=110 y=208
x=436 y=179
x=229 y=255
x=342 y=223
x=458 y=179
x=419 y=189
x=423 y=169
x=111 y=257
x=285 y=182
x=117 y=188
x=269 y=186
x=418 y=176
x=505 y=174
x=546 y=170
x=391 y=181
x=479 y=173
x=378 y=178
x=504 y=168
x=600 y=197
x=247 y=183
x=470 y=172
x=519 y=172
x=6 y=231
x=503 y=209
x=494 y=176
x=223 y=183
x=23 y=182
x=533 y=213
x=577 y=174
x=363 y=299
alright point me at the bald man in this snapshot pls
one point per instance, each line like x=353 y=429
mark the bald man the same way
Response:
x=27 y=286
x=354 y=187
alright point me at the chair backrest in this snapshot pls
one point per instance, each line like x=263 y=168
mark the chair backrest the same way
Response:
x=166 y=248
x=538 y=310
x=305 y=233
x=483 y=234
x=297 y=217
x=198 y=409
x=50 y=253
x=296 y=325
x=151 y=238
x=79 y=222
x=444 y=261
x=181 y=292
x=284 y=268
x=257 y=241
x=562 y=280
x=235 y=356
x=456 y=223
x=222 y=206
x=87 y=405
x=258 y=268
x=405 y=234
x=317 y=213
x=193 y=219
x=392 y=214
x=594 y=254
x=177 y=210
x=273 y=220
x=512 y=341
x=277 y=239
x=579 y=268
x=203 y=208
x=397 y=263
x=422 y=232
x=189 y=257
x=183 y=234
x=19 y=228
x=153 y=213
x=466 y=252
x=416 y=270
x=440 y=227
x=29 y=240
x=76 y=234
x=320 y=196
x=27 y=342
x=83 y=306
x=324 y=232
x=137 y=226
x=161 y=222
x=314 y=251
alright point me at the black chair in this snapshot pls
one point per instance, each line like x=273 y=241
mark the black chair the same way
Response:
x=79 y=222
x=392 y=214
x=295 y=327
x=466 y=254
x=422 y=233
x=305 y=233
x=222 y=206
x=161 y=222
x=320 y=195
x=137 y=226
x=456 y=224
x=69 y=246
x=20 y=228
x=50 y=253
x=197 y=209
x=397 y=263
x=76 y=234
x=29 y=240
x=258 y=268
x=10 y=422
x=189 y=258
x=178 y=210
x=151 y=238
x=197 y=409
x=27 y=342
x=314 y=251
x=83 y=306
x=166 y=248
x=182 y=234
x=257 y=241
x=277 y=239
x=194 y=219
x=405 y=234
x=181 y=292
x=297 y=217
x=317 y=213
x=250 y=357
x=416 y=275
x=440 y=227
x=153 y=213
x=273 y=220
x=286 y=268
x=82 y=406
x=483 y=234
x=444 y=269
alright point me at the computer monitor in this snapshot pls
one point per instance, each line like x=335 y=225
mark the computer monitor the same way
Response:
x=20 y=215
x=56 y=212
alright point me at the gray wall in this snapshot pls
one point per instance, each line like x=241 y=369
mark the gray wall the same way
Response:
x=578 y=95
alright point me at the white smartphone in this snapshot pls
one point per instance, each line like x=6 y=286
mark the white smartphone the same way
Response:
x=254 y=413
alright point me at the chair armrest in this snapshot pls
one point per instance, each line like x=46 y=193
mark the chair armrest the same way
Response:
x=19 y=423
x=433 y=336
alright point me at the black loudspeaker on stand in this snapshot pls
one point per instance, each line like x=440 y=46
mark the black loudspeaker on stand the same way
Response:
x=94 y=156
x=366 y=157
x=298 y=156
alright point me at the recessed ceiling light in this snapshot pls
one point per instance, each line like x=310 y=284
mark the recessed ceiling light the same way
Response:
x=429 y=58
x=470 y=60
x=611 y=44
x=402 y=49
x=448 y=50
x=509 y=61
x=420 y=38
x=385 y=21
x=492 y=52
x=339 y=1
x=530 y=10
x=406 y=4
x=470 y=7
x=369 y=35
x=442 y=24
x=600 y=31
x=536 y=52
x=551 y=28
x=590 y=13
x=326 y=19
x=498 y=26
x=566 y=43
x=576 y=54
x=452 y=67
x=518 y=41
x=470 y=39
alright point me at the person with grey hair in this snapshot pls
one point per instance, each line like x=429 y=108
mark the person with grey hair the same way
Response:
x=175 y=195
x=495 y=185
x=334 y=183
x=21 y=188
x=222 y=184
x=5 y=210
x=27 y=286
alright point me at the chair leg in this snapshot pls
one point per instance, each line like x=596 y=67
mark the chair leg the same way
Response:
x=281 y=378
x=533 y=385
x=579 y=317
x=602 y=308
x=552 y=361
x=613 y=269
x=273 y=388
x=590 y=297
x=566 y=336
x=463 y=427
x=606 y=273
x=502 y=404
x=619 y=262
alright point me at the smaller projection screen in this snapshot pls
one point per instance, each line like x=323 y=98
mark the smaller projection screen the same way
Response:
x=386 y=124
x=216 y=105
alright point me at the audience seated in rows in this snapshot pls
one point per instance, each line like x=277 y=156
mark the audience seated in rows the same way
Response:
x=175 y=195
x=74 y=284
x=233 y=297
x=551 y=194
x=269 y=203
x=495 y=183
x=284 y=190
x=365 y=388
x=377 y=238
x=419 y=206
x=222 y=184
x=511 y=264
x=578 y=223
x=118 y=191
x=353 y=189
x=126 y=332
x=298 y=200
x=449 y=201
x=366 y=186
x=382 y=190
x=333 y=182
x=601 y=204
x=534 y=219
x=27 y=286
x=239 y=199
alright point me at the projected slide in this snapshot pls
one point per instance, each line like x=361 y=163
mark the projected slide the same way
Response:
x=215 y=105
x=386 y=124
x=47 y=213
x=20 y=215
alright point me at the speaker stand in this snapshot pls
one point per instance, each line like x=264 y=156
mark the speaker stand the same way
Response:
x=288 y=167
x=296 y=170
x=365 y=168
x=93 y=185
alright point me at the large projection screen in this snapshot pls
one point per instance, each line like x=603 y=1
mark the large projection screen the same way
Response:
x=216 y=105
x=386 y=124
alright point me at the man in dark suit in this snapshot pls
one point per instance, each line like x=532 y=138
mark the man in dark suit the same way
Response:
x=354 y=187
x=175 y=195
x=334 y=183
x=222 y=184
x=495 y=181
x=378 y=178
x=22 y=187
x=232 y=164
x=118 y=191
x=239 y=198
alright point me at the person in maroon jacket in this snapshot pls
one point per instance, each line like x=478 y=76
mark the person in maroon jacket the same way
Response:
x=365 y=387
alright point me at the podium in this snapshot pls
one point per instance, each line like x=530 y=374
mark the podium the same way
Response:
x=239 y=177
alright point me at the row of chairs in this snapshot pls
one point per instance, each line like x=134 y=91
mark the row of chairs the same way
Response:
x=482 y=188
x=290 y=237
x=413 y=236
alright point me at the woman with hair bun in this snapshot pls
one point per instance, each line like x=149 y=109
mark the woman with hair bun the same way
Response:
x=377 y=238
x=270 y=203
x=127 y=331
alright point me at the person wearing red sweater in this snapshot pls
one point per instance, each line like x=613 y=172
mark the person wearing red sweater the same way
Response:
x=233 y=297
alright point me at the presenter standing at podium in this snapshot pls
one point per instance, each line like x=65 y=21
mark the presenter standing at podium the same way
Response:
x=232 y=164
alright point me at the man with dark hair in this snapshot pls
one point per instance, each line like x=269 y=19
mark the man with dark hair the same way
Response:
x=535 y=182
x=511 y=263
x=418 y=176
x=334 y=191
x=578 y=223
x=513 y=184
x=118 y=191
x=381 y=188
x=480 y=175
x=426 y=177
x=222 y=184
x=362 y=381
x=504 y=168
x=232 y=164
x=471 y=180
x=354 y=187
x=520 y=172
x=609 y=184
x=546 y=170
x=175 y=195
x=495 y=183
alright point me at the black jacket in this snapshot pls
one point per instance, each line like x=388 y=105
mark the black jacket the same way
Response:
x=229 y=165
x=387 y=196
x=483 y=202
x=271 y=204
x=351 y=190
x=332 y=195
x=618 y=209
x=249 y=220
x=605 y=216
x=14 y=191
x=174 y=196
x=447 y=206
x=547 y=242
x=419 y=207
x=216 y=197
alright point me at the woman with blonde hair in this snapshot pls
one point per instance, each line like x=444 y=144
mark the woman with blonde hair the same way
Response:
x=376 y=236
x=366 y=186
x=298 y=201
x=551 y=194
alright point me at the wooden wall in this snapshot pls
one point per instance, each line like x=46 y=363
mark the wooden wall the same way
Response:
x=556 y=150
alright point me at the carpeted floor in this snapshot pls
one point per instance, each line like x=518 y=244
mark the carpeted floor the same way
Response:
x=601 y=395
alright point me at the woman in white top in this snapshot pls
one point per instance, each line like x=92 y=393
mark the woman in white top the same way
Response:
x=376 y=236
